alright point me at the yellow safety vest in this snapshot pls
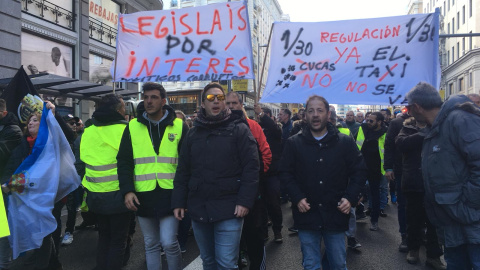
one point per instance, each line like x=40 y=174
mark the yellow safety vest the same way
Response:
x=99 y=149
x=381 y=145
x=151 y=168
x=345 y=131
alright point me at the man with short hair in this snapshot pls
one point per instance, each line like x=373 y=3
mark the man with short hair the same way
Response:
x=371 y=141
x=360 y=117
x=387 y=115
x=252 y=225
x=323 y=172
x=10 y=137
x=217 y=179
x=451 y=170
x=98 y=151
x=147 y=162
x=284 y=117
x=352 y=124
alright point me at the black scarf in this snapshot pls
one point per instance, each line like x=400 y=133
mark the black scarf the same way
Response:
x=212 y=121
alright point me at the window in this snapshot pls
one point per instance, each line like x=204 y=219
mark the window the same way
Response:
x=463 y=46
x=461 y=85
x=428 y=7
x=448 y=31
x=458 y=20
x=453 y=25
x=453 y=2
x=458 y=50
x=450 y=89
x=470 y=8
x=440 y=10
x=444 y=8
x=449 y=5
x=470 y=79
x=463 y=15
x=453 y=54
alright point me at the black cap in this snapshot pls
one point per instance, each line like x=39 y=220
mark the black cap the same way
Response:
x=69 y=117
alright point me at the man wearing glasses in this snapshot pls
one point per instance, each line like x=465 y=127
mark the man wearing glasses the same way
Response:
x=371 y=142
x=147 y=161
x=217 y=179
x=451 y=170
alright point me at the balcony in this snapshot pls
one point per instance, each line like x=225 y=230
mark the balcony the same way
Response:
x=50 y=12
x=102 y=32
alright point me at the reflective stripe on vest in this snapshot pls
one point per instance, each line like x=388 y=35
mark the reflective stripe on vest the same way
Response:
x=345 y=131
x=151 y=168
x=99 y=149
x=381 y=146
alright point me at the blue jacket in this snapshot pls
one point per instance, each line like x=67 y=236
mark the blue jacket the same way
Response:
x=451 y=171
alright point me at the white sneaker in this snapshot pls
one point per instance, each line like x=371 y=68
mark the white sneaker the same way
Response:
x=67 y=239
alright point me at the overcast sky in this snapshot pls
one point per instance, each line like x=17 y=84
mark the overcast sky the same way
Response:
x=335 y=10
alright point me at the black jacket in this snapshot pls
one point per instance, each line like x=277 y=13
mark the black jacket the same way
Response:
x=370 y=151
x=273 y=133
x=10 y=137
x=393 y=157
x=105 y=203
x=324 y=172
x=409 y=142
x=155 y=202
x=218 y=169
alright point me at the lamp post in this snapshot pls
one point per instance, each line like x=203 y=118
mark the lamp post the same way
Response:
x=258 y=70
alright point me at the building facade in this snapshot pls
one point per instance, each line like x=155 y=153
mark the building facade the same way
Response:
x=460 y=56
x=68 y=38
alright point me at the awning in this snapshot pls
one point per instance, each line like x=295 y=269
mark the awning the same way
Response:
x=54 y=85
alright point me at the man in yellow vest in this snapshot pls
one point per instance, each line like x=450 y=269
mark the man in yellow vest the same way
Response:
x=98 y=151
x=371 y=142
x=147 y=162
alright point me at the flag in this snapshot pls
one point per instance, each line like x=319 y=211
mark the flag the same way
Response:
x=21 y=96
x=46 y=176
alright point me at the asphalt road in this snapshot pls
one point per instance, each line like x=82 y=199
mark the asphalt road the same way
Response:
x=379 y=249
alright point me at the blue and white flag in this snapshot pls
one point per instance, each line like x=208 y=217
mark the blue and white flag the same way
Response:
x=44 y=177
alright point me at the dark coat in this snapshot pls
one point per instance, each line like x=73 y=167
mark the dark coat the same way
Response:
x=218 y=169
x=273 y=133
x=409 y=143
x=105 y=203
x=451 y=171
x=324 y=172
x=10 y=137
x=155 y=203
x=392 y=159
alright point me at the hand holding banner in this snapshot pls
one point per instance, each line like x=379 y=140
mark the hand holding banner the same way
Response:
x=370 y=61
x=191 y=44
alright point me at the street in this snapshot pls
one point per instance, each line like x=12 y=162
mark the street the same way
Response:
x=379 y=249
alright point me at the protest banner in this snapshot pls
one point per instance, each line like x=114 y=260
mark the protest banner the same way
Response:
x=370 y=61
x=206 y=43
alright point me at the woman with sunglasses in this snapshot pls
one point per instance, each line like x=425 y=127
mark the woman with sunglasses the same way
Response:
x=217 y=179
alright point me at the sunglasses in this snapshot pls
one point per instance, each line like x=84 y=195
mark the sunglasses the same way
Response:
x=74 y=124
x=370 y=121
x=211 y=97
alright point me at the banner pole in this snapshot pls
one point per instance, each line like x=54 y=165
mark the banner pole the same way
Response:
x=263 y=65
x=115 y=71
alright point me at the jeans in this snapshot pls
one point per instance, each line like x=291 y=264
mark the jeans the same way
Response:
x=352 y=224
x=112 y=240
x=219 y=243
x=463 y=257
x=402 y=220
x=383 y=189
x=335 y=252
x=161 y=232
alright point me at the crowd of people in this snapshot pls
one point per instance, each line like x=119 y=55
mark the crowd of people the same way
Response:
x=225 y=175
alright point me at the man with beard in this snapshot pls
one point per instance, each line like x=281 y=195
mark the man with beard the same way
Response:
x=217 y=179
x=324 y=172
x=371 y=142
x=147 y=161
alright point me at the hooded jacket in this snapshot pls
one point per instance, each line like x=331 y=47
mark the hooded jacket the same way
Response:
x=155 y=203
x=10 y=137
x=101 y=202
x=451 y=171
x=323 y=172
x=218 y=169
